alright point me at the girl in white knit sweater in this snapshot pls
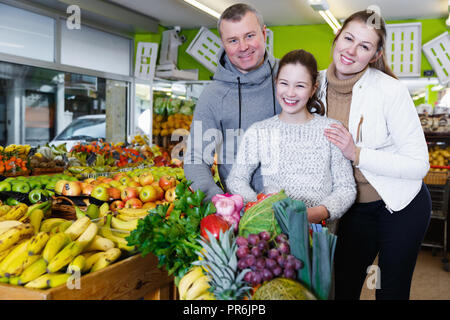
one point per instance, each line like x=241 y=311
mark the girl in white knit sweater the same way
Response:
x=292 y=150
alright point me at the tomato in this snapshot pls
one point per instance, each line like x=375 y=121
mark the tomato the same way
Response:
x=213 y=223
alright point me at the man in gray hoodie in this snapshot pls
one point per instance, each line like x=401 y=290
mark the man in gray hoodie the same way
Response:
x=242 y=93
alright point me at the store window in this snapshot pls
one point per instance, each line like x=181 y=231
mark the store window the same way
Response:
x=143 y=105
x=37 y=104
x=26 y=34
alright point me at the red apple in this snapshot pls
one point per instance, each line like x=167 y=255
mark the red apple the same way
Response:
x=118 y=175
x=170 y=195
x=71 y=188
x=148 y=194
x=155 y=185
x=108 y=180
x=129 y=193
x=166 y=182
x=87 y=188
x=134 y=203
x=146 y=178
x=115 y=205
x=114 y=193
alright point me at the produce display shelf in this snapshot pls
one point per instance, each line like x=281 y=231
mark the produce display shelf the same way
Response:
x=130 y=279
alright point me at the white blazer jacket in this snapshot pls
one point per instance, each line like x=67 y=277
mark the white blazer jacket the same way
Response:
x=384 y=123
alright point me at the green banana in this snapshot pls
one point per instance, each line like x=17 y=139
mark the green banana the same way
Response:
x=57 y=279
x=14 y=280
x=64 y=257
x=35 y=270
x=37 y=243
x=40 y=205
x=54 y=245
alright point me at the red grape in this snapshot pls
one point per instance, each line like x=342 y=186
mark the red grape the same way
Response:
x=242 y=264
x=263 y=246
x=253 y=239
x=264 y=235
x=277 y=271
x=289 y=273
x=298 y=264
x=289 y=264
x=256 y=279
x=242 y=252
x=256 y=252
x=284 y=248
x=281 y=238
x=250 y=259
x=273 y=253
x=241 y=241
x=267 y=275
x=260 y=263
x=281 y=261
x=248 y=276
x=271 y=263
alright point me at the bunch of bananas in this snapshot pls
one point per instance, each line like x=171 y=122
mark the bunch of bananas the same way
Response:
x=17 y=149
x=17 y=212
x=141 y=140
x=194 y=285
x=61 y=248
x=126 y=219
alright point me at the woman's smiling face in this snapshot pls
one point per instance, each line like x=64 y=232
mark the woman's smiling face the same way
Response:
x=354 y=49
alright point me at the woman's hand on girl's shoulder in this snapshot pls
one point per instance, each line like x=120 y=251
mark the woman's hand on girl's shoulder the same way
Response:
x=341 y=138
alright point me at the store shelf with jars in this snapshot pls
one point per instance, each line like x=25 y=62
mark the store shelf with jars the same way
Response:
x=173 y=108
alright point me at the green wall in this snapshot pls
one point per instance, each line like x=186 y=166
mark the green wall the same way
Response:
x=316 y=39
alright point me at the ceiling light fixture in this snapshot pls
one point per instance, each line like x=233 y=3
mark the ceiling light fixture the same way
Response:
x=203 y=8
x=321 y=6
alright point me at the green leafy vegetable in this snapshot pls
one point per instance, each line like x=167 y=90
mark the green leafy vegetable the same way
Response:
x=174 y=238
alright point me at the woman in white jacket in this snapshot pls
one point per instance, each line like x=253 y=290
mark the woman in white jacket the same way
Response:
x=381 y=134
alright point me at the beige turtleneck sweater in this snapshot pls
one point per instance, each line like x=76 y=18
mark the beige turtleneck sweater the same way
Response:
x=339 y=98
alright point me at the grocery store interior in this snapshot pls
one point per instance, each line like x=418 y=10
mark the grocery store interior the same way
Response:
x=129 y=72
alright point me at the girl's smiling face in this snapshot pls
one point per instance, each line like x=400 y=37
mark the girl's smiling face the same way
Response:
x=294 y=89
x=355 y=48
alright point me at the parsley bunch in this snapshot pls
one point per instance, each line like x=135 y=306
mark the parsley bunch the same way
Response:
x=173 y=238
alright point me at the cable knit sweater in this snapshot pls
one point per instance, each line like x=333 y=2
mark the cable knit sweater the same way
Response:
x=298 y=159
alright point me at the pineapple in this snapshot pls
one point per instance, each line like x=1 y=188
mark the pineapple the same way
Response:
x=219 y=258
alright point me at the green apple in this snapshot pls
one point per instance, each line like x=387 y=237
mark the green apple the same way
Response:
x=100 y=193
x=125 y=180
x=115 y=184
x=34 y=184
x=35 y=195
x=20 y=186
x=5 y=186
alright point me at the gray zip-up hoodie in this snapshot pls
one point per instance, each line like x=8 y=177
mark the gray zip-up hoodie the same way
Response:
x=233 y=101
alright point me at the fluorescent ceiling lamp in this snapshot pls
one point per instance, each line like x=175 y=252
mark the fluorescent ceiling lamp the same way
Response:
x=203 y=8
x=321 y=6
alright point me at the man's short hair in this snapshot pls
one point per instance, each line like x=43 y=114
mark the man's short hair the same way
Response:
x=236 y=12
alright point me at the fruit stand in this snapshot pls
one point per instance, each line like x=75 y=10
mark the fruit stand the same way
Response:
x=130 y=279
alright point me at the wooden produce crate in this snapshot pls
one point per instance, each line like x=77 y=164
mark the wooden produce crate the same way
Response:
x=129 y=279
x=41 y=171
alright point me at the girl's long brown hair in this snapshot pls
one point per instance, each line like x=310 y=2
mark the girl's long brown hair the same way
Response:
x=306 y=59
x=365 y=17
